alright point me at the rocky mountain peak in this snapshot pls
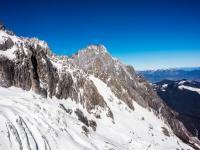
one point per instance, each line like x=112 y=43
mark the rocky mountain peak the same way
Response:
x=39 y=44
x=83 y=76
x=94 y=57
x=12 y=46
x=97 y=49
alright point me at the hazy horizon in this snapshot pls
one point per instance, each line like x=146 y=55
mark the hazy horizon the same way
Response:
x=177 y=68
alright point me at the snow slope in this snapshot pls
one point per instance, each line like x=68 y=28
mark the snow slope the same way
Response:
x=30 y=122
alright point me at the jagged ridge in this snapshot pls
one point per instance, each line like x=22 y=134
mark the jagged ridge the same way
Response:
x=30 y=65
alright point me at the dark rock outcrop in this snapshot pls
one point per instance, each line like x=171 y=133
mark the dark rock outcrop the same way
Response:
x=6 y=44
x=6 y=72
x=2 y=26
x=183 y=101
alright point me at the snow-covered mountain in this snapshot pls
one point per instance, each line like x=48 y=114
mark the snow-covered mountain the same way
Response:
x=154 y=76
x=184 y=97
x=88 y=101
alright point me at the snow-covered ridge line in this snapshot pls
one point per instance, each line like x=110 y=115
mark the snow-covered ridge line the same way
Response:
x=189 y=88
x=17 y=43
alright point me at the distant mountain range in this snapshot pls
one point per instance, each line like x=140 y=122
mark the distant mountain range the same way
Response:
x=180 y=89
x=183 y=96
x=153 y=76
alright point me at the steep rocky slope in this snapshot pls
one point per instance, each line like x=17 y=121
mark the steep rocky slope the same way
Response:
x=100 y=86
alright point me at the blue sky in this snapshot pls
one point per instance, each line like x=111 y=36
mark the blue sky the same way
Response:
x=148 y=34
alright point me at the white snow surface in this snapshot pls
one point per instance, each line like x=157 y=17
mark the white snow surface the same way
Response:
x=18 y=42
x=181 y=82
x=189 y=88
x=10 y=52
x=30 y=122
x=164 y=86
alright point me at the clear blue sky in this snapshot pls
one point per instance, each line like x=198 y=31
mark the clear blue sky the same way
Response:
x=147 y=34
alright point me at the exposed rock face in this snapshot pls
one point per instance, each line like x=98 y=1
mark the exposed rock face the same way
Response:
x=34 y=67
x=7 y=43
x=128 y=86
x=2 y=27
x=6 y=72
x=95 y=60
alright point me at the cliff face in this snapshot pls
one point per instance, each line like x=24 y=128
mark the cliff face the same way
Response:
x=128 y=86
x=29 y=64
